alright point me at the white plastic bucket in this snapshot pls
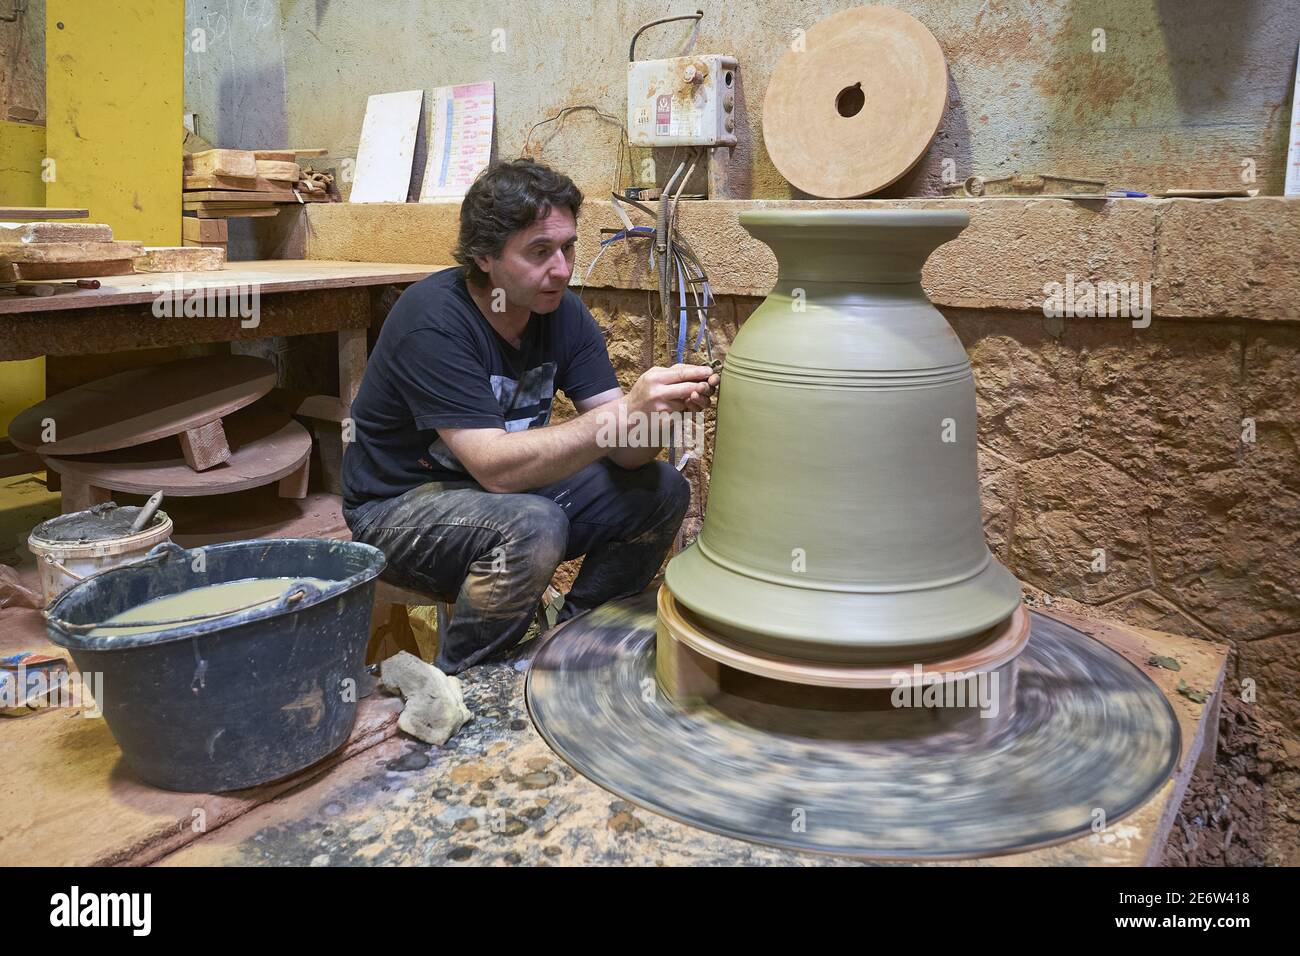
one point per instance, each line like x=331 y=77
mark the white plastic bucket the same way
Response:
x=64 y=563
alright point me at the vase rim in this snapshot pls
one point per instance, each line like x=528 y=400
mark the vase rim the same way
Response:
x=857 y=218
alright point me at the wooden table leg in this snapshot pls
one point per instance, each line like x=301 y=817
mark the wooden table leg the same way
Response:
x=294 y=484
x=78 y=495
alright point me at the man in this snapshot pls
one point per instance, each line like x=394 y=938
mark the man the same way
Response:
x=455 y=473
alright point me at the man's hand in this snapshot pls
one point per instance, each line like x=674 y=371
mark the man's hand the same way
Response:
x=676 y=389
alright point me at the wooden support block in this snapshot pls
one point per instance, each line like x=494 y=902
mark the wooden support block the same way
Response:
x=78 y=495
x=195 y=244
x=181 y=259
x=294 y=484
x=221 y=162
x=205 y=230
x=56 y=232
x=205 y=447
x=685 y=675
x=44 y=271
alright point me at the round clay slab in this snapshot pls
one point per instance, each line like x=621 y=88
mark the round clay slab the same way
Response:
x=1088 y=731
x=855 y=103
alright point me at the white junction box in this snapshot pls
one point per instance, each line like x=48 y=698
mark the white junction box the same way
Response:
x=684 y=101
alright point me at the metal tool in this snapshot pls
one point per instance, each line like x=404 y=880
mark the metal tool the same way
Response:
x=1040 y=185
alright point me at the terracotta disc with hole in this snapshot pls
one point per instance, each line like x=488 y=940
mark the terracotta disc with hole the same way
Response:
x=853 y=106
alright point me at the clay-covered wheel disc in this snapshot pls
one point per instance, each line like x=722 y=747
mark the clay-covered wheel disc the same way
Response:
x=852 y=107
x=1088 y=731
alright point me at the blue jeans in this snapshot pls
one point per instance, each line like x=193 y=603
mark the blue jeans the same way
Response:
x=494 y=554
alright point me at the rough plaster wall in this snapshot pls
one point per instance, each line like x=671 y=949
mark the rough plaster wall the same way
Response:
x=234 y=72
x=1185 y=91
x=22 y=60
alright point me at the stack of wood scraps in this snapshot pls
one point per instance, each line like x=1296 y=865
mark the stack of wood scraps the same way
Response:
x=40 y=251
x=226 y=183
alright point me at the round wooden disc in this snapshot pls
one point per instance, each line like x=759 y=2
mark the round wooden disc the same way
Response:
x=853 y=106
x=142 y=405
x=999 y=645
x=265 y=446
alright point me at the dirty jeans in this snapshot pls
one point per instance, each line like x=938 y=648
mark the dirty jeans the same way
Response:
x=495 y=553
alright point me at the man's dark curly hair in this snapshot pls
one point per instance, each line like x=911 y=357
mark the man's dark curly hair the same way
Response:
x=505 y=198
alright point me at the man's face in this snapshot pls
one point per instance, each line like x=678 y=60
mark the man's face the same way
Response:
x=535 y=265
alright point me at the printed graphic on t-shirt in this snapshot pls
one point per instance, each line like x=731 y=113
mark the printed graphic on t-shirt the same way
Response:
x=525 y=404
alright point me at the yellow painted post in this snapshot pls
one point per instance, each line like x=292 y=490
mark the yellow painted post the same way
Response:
x=22 y=148
x=114 y=98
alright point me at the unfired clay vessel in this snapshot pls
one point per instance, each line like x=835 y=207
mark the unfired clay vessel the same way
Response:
x=843 y=520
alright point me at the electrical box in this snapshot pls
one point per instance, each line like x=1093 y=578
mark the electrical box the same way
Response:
x=683 y=101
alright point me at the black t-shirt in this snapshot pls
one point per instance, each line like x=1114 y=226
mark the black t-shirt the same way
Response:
x=440 y=364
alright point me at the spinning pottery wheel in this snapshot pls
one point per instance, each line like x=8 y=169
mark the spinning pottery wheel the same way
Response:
x=838 y=663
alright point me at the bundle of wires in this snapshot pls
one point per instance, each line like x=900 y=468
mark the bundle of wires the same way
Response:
x=670 y=257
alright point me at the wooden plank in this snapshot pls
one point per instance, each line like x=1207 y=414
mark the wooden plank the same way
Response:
x=265 y=446
x=221 y=162
x=43 y=271
x=279 y=171
x=229 y=211
x=181 y=259
x=290 y=152
x=56 y=232
x=269 y=275
x=41 y=212
x=202 y=230
x=275 y=155
x=68 y=251
x=280 y=193
x=196 y=244
x=387 y=149
x=246 y=183
x=142 y=405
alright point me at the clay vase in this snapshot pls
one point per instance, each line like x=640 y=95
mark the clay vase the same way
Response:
x=843 y=519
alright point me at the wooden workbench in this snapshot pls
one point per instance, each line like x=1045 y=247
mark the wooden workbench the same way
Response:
x=295 y=297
